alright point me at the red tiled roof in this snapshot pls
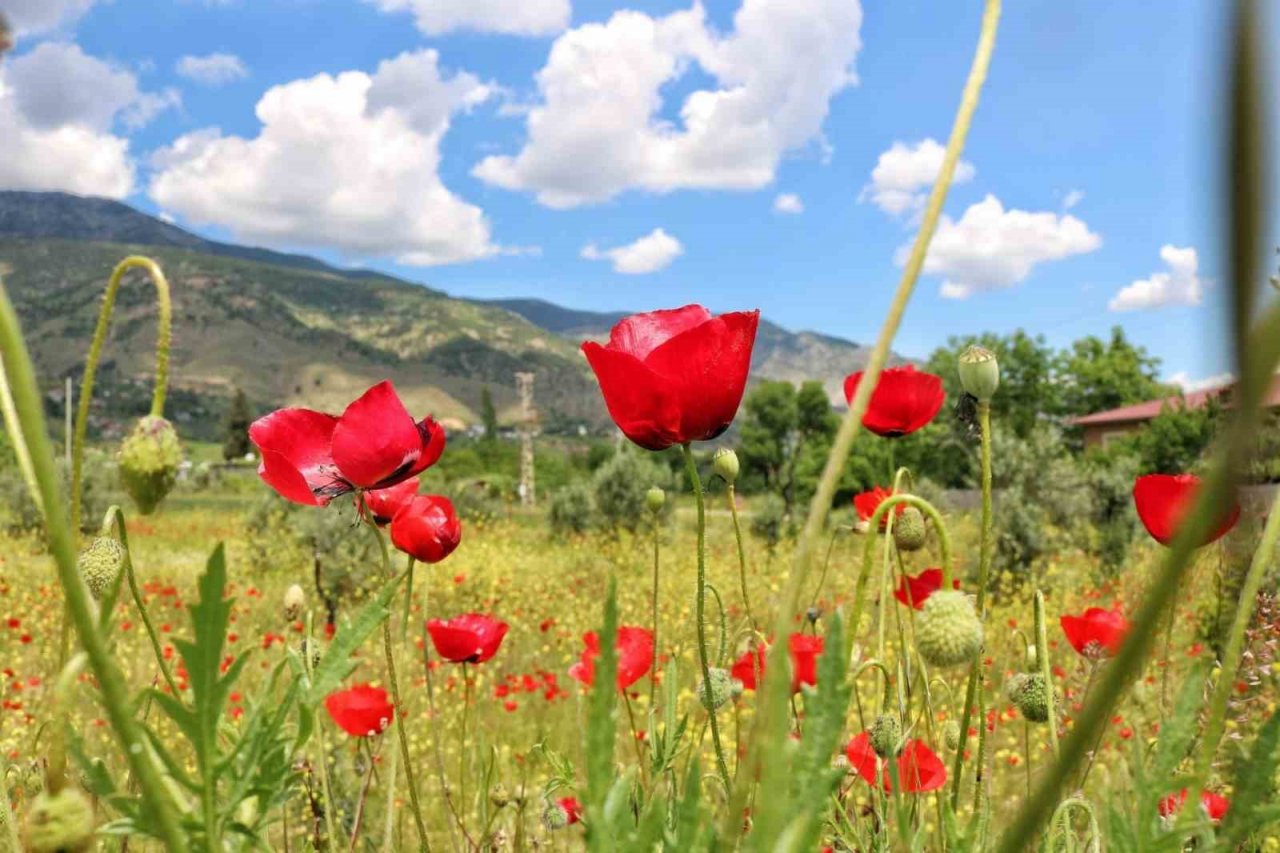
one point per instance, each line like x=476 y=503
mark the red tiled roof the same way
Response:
x=1148 y=410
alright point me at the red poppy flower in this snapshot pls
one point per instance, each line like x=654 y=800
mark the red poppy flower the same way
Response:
x=904 y=400
x=1164 y=499
x=1097 y=633
x=915 y=591
x=470 y=638
x=919 y=769
x=1214 y=805
x=866 y=503
x=635 y=656
x=361 y=711
x=312 y=457
x=804 y=649
x=383 y=504
x=427 y=528
x=674 y=376
x=572 y=809
x=749 y=668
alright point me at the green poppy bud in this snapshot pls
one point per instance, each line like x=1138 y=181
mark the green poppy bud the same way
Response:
x=149 y=460
x=948 y=631
x=980 y=372
x=723 y=688
x=654 y=499
x=951 y=735
x=100 y=564
x=909 y=531
x=555 y=817
x=726 y=465
x=886 y=735
x=499 y=796
x=60 y=822
x=1030 y=694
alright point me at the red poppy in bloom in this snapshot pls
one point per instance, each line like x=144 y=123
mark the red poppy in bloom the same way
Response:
x=674 y=376
x=805 y=649
x=572 y=809
x=362 y=711
x=635 y=656
x=749 y=668
x=919 y=769
x=1097 y=633
x=470 y=638
x=427 y=528
x=866 y=503
x=904 y=400
x=915 y=591
x=312 y=457
x=1214 y=805
x=383 y=504
x=1164 y=499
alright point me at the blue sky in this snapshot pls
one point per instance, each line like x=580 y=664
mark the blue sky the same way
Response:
x=740 y=153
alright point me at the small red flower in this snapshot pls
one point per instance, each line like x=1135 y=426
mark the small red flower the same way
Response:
x=866 y=503
x=383 y=504
x=804 y=650
x=919 y=769
x=427 y=528
x=470 y=638
x=749 y=668
x=635 y=656
x=361 y=711
x=1163 y=500
x=311 y=457
x=1214 y=805
x=674 y=376
x=903 y=401
x=915 y=591
x=1097 y=633
x=572 y=809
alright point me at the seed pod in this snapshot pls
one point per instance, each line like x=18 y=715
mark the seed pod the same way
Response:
x=948 y=631
x=886 y=735
x=654 y=499
x=726 y=465
x=979 y=373
x=100 y=564
x=149 y=460
x=909 y=531
x=60 y=822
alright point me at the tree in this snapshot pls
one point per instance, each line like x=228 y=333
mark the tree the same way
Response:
x=235 y=429
x=1174 y=441
x=1027 y=391
x=1096 y=375
x=488 y=415
x=781 y=424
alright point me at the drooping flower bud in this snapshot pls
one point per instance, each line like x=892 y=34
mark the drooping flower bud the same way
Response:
x=499 y=796
x=951 y=735
x=654 y=499
x=1029 y=693
x=980 y=372
x=726 y=465
x=294 y=602
x=149 y=460
x=100 y=564
x=555 y=817
x=60 y=822
x=723 y=688
x=909 y=531
x=886 y=735
x=948 y=631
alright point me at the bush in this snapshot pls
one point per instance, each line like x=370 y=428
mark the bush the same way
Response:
x=769 y=521
x=572 y=509
x=620 y=486
x=18 y=510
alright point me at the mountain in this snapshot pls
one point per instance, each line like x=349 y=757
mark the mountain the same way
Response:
x=294 y=330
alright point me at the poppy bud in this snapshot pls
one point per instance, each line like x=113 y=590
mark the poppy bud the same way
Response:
x=1030 y=694
x=979 y=373
x=886 y=735
x=294 y=601
x=951 y=735
x=654 y=499
x=813 y=614
x=499 y=796
x=149 y=460
x=723 y=688
x=100 y=565
x=60 y=822
x=909 y=532
x=555 y=816
x=948 y=632
x=726 y=465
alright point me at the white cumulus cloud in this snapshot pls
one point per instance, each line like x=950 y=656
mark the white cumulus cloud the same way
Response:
x=1072 y=198
x=788 y=203
x=212 y=69
x=1188 y=384
x=597 y=130
x=904 y=174
x=652 y=252
x=1179 y=285
x=990 y=248
x=513 y=17
x=349 y=162
x=36 y=16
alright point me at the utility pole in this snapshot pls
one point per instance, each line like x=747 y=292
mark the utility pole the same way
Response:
x=528 y=428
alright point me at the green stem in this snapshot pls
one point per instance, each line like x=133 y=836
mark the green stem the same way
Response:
x=329 y=802
x=164 y=324
x=657 y=649
x=695 y=483
x=1042 y=660
x=462 y=747
x=742 y=556
x=115 y=694
x=6 y=815
x=14 y=431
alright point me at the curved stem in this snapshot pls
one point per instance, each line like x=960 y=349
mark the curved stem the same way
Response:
x=61 y=538
x=696 y=484
x=164 y=324
x=14 y=430
x=742 y=556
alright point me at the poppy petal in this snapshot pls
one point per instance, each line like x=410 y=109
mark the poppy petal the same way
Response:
x=296 y=458
x=640 y=334
x=376 y=443
x=637 y=400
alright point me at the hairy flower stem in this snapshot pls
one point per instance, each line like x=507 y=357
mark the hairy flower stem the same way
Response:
x=462 y=746
x=61 y=539
x=329 y=802
x=984 y=570
x=742 y=556
x=695 y=483
x=441 y=773
x=1042 y=661
x=394 y=684
x=657 y=649
x=364 y=798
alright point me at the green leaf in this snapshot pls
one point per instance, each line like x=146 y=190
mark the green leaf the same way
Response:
x=337 y=662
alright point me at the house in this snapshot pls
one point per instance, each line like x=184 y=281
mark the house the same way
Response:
x=1103 y=427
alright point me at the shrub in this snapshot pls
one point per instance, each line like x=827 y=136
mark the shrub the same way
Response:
x=572 y=509
x=769 y=521
x=620 y=486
